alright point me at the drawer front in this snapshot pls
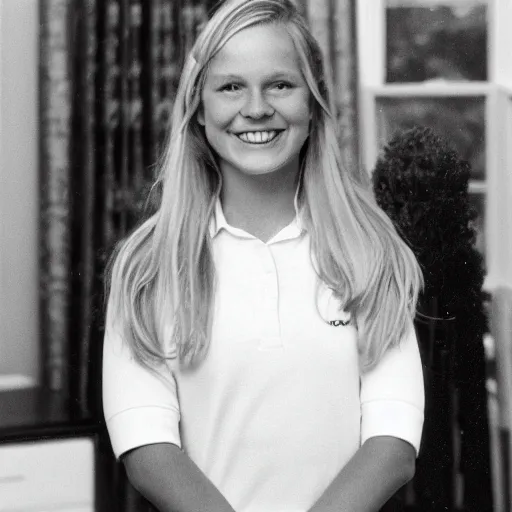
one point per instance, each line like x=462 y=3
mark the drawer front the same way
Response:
x=47 y=475
x=56 y=508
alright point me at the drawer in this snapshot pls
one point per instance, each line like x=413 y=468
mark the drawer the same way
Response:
x=56 y=508
x=43 y=476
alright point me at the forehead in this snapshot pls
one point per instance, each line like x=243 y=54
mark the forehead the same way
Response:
x=256 y=50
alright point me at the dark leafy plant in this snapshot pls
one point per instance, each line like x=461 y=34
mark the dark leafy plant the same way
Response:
x=422 y=184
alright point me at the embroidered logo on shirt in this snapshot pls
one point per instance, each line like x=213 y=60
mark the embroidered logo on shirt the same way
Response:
x=330 y=307
x=337 y=323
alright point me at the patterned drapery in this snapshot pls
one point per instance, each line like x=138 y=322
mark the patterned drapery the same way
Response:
x=333 y=25
x=108 y=74
x=56 y=112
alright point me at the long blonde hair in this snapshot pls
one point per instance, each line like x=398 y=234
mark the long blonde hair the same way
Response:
x=164 y=273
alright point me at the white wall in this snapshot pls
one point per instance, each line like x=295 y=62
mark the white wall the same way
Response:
x=19 y=47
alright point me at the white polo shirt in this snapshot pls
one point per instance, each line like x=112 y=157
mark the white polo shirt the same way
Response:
x=278 y=407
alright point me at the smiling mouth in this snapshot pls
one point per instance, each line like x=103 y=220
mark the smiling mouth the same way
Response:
x=260 y=137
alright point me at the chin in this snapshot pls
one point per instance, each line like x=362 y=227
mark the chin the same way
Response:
x=265 y=167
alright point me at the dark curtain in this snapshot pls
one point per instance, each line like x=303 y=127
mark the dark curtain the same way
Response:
x=108 y=74
x=108 y=71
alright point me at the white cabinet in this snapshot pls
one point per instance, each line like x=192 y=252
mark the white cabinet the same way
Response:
x=47 y=476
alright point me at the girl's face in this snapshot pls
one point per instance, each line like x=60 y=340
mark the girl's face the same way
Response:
x=255 y=102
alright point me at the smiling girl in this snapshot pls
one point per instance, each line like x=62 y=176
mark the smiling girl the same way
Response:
x=259 y=353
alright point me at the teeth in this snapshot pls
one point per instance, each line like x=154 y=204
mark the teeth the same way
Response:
x=258 y=137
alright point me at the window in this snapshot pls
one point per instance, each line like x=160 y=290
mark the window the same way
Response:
x=446 y=64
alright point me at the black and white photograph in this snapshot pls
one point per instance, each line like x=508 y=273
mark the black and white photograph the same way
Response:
x=255 y=255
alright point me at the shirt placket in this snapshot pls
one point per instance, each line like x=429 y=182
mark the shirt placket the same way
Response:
x=268 y=303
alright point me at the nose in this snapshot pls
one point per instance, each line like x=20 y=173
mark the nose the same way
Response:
x=256 y=106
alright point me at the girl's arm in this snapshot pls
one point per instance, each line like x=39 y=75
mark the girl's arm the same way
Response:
x=377 y=470
x=142 y=414
x=171 y=481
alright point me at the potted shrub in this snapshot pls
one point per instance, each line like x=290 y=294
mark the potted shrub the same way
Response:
x=422 y=184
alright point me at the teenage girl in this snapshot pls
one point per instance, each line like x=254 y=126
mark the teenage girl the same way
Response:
x=259 y=353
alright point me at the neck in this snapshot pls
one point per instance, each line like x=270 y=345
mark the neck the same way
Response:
x=260 y=200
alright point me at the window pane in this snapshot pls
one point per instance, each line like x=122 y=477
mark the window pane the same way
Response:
x=435 y=41
x=478 y=202
x=459 y=121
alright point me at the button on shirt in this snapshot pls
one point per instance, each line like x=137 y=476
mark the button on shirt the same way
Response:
x=278 y=407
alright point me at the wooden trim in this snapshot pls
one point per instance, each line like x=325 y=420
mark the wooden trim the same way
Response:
x=477 y=187
x=425 y=89
x=430 y=3
x=371 y=42
x=502 y=42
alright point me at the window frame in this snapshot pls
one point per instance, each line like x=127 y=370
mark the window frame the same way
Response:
x=497 y=90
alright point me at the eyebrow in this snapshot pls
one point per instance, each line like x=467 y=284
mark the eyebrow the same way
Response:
x=280 y=75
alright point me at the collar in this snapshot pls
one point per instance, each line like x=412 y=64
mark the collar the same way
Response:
x=293 y=230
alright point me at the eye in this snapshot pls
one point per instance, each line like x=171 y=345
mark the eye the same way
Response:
x=230 y=88
x=282 y=86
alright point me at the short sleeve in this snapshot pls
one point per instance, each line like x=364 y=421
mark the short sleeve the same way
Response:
x=392 y=395
x=140 y=407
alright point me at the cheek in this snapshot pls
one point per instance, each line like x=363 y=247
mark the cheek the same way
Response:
x=217 y=114
x=299 y=113
x=216 y=125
